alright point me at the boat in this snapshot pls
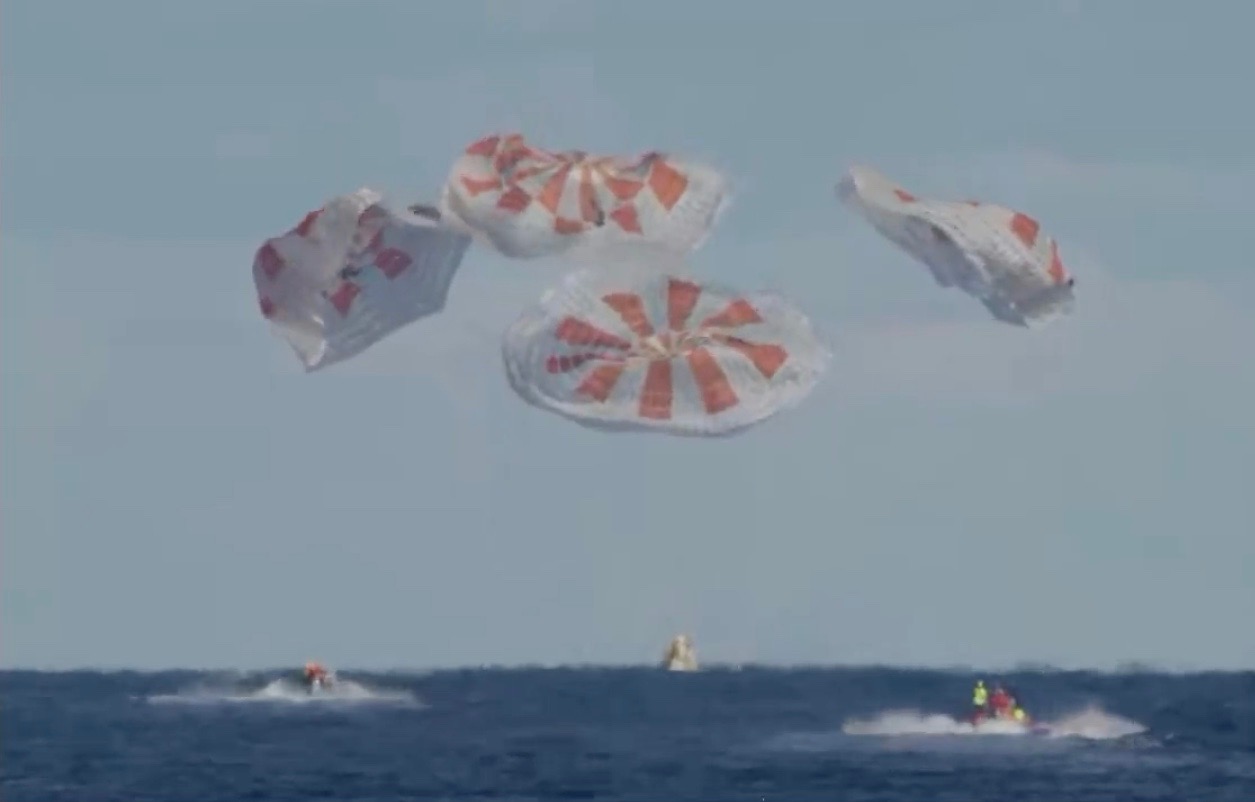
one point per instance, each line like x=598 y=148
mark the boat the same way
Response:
x=680 y=655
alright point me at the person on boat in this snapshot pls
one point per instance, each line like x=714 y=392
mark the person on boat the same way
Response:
x=980 y=699
x=315 y=674
x=1016 y=711
x=1001 y=702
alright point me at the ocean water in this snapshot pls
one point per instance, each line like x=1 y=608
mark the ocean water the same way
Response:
x=622 y=734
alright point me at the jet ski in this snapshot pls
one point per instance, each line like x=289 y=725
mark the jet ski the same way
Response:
x=1006 y=719
x=1004 y=712
x=317 y=679
x=320 y=684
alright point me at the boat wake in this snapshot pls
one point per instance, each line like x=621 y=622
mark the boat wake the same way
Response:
x=282 y=691
x=1091 y=723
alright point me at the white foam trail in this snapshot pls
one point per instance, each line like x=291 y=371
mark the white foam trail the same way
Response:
x=1091 y=723
x=283 y=691
x=1095 y=724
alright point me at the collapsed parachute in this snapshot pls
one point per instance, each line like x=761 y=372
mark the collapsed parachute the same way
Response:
x=352 y=273
x=529 y=202
x=656 y=352
x=995 y=254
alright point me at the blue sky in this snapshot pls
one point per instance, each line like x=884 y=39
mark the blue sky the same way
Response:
x=176 y=491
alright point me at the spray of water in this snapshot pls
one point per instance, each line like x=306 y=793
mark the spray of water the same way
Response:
x=282 y=691
x=1091 y=723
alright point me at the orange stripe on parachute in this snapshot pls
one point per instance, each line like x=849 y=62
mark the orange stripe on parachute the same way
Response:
x=631 y=308
x=682 y=297
x=600 y=381
x=551 y=193
x=737 y=313
x=716 y=390
x=1025 y=229
x=658 y=392
x=574 y=331
x=484 y=147
x=627 y=219
x=766 y=357
x=1056 y=269
x=667 y=183
x=478 y=186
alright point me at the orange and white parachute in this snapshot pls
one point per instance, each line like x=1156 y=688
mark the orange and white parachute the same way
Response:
x=528 y=202
x=353 y=272
x=997 y=255
x=644 y=351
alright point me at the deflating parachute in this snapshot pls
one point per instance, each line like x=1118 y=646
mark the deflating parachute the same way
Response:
x=529 y=202
x=352 y=273
x=661 y=353
x=995 y=254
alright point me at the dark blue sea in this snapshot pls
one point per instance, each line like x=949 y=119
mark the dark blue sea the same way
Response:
x=622 y=734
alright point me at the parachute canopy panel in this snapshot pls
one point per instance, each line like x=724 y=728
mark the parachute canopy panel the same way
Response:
x=529 y=202
x=662 y=353
x=997 y=255
x=353 y=272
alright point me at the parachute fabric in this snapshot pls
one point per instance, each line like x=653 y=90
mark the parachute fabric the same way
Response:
x=636 y=350
x=353 y=272
x=528 y=202
x=997 y=255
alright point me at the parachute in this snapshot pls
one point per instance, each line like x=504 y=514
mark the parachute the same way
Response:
x=528 y=202
x=649 y=351
x=997 y=255
x=353 y=272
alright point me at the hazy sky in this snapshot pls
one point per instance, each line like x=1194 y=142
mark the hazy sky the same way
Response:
x=176 y=491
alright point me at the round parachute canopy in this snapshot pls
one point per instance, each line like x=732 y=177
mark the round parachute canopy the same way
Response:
x=353 y=272
x=528 y=202
x=997 y=255
x=662 y=353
